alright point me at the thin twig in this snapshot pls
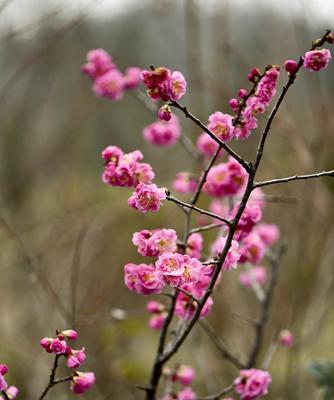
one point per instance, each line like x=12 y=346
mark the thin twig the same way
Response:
x=218 y=395
x=220 y=345
x=205 y=228
x=199 y=210
x=294 y=178
x=265 y=307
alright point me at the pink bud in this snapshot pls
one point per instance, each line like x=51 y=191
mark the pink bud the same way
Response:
x=3 y=369
x=253 y=75
x=45 y=342
x=242 y=93
x=82 y=381
x=70 y=334
x=290 y=66
x=165 y=113
x=286 y=338
x=234 y=103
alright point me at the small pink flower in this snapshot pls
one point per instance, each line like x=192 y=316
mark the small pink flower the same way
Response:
x=251 y=215
x=317 y=60
x=112 y=154
x=82 y=381
x=147 y=197
x=286 y=338
x=186 y=306
x=76 y=358
x=221 y=125
x=185 y=374
x=3 y=383
x=164 y=113
x=154 y=307
x=58 y=346
x=98 y=63
x=266 y=88
x=157 y=321
x=131 y=78
x=162 y=133
x=252 y=249
x=290 y=66
x=194 y=245
x=234 y=104
x=257 y=274
x=269 y=233
x=225 y=179
x=12 y=392
x=157 y=82
x=184 y=182
x=143 y=279
x=177 y=86
x=252 y=383
x=207 y=146
x=45 y=343
x=232 y=256
x=109 y=85
x=186 y=394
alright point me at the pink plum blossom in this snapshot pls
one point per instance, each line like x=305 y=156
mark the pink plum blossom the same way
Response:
x=131 y=78
x=184 y=374
x=82 y=381
x=186 y=394
x=155 y=307
x=269 y=233
x=184 y=182
x=163 y=133
x=154 y=243
x=68 y=334
x=221 y=125
x=252 y=383
x=75 y=358
x=11 y=392
x=232 y=256
x=157 y=321
x=194 y=245
x=317 y=60
x=257 y=274
x=207 y=146
x=3 y=383
x=58 y=346
x=147 y=197
x=177 y=86
x=109 y=85
x=252 y=249
x=98 y=63
x=143 y=278
x=225 y=179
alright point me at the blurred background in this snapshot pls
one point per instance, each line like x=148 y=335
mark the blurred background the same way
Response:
x=65 y=236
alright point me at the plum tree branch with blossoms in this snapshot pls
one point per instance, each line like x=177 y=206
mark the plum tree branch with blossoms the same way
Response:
x=240 y=238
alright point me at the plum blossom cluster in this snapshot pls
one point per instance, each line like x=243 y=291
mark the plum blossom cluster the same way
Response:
x=10 y=392
x=183 y=375
x=125 y=169
x=252 y=103
x=108 y=80
x=164 y=84
x=80 y=381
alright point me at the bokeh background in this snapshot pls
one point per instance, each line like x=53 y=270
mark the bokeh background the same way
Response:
x=65 y=236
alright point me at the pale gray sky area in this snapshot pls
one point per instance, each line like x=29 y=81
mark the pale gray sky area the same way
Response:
x=17 y=13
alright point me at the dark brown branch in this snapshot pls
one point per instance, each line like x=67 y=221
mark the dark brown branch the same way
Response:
x=5 y=395
x=189 y=115
x=52 y=378
x=294 y=178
